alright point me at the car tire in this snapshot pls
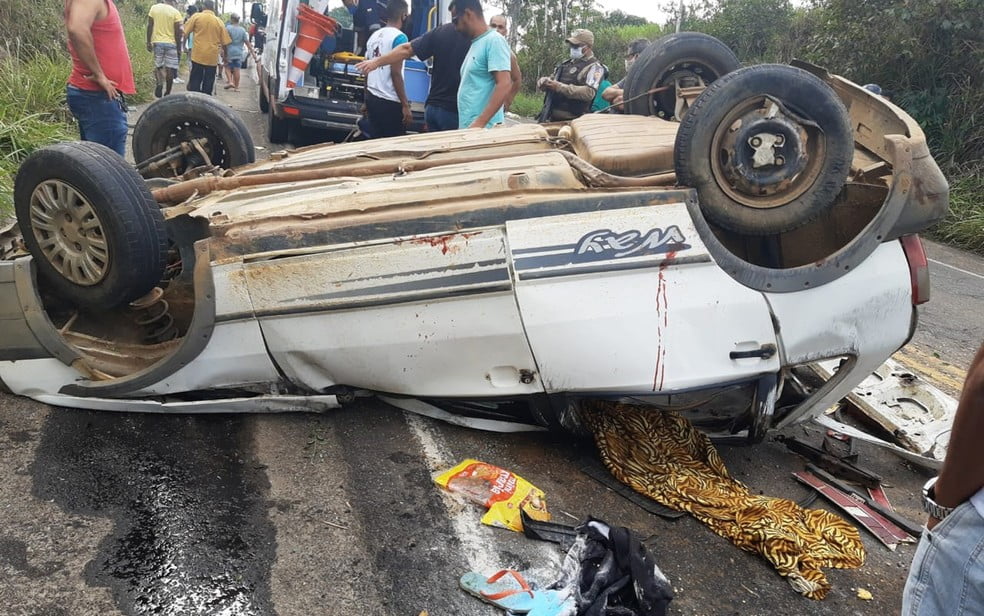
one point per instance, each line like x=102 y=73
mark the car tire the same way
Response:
x=758 y=187
x=173 y=119
x=669 y=57
x=278 y=129
x=264 y=99
x=96 y=234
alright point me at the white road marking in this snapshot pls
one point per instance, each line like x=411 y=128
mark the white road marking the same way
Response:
x=962 y=271
x=476 y=540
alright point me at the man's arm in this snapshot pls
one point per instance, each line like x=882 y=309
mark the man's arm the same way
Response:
x=503 y=85
x=963 y=470
x=178 y=37
x=150 y=32
x=573 y=92
x=78 y=22
x=612 y=93
x=516 y=76
x=397 y=55
x=396 y=72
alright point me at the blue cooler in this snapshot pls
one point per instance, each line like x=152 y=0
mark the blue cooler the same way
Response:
x=417 y=79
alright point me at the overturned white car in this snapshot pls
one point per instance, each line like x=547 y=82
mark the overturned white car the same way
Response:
x=505 y=274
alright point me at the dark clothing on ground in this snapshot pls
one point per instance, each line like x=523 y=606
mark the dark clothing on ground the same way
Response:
x=385 y=117
x=448 y=47
x=202 y=78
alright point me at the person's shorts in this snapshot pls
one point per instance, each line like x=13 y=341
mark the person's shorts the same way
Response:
x=947 y=572
x=237 y=63
x=165 y=55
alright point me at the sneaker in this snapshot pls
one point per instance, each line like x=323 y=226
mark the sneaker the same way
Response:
x=178 y=80
x=158 y=91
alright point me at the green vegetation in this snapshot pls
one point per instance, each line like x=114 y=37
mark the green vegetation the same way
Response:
x=33 y=69
x=527 y=105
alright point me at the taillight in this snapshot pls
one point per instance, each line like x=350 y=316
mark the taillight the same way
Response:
x=918 y=268
x=292 y=111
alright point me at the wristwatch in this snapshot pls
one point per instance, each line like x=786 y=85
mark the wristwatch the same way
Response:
x=929 y=501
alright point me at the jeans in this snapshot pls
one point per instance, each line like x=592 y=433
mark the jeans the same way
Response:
x=947 y=573
x=439 y=118
x=201 y=79
x=101 y=119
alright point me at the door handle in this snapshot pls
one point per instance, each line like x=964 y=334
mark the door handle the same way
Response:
x=766 y=351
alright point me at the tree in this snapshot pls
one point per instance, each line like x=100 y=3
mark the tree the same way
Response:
x=618 y=18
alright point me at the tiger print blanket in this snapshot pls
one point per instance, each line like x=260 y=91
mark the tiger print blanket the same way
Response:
x=661 y=455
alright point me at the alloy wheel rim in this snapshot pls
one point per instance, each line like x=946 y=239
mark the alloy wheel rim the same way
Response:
x=69 y=233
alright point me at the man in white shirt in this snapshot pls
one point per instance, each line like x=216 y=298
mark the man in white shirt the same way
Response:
x=386 y=94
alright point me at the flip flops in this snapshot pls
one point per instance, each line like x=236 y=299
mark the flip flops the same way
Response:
x=508 y=590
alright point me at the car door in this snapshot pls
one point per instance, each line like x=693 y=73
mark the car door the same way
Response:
x=630 y=301
x=430 y=315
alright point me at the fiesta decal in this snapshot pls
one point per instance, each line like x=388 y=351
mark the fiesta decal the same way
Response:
x=606 y=244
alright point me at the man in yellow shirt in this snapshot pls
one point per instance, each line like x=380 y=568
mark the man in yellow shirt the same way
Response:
x=164 y=39
x=211 y=39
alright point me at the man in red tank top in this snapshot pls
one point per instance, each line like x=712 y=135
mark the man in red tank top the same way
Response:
x=101 y=71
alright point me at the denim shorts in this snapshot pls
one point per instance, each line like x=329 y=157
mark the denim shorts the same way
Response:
x=101 y=119
x=237 y=63
x=947 y=573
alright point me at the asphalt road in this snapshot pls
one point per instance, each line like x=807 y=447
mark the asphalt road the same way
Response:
x=336 y=514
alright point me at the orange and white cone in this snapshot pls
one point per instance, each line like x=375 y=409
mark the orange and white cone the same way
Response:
x=313 y=27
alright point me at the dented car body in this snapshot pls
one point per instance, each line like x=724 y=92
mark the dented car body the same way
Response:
x=476 y=269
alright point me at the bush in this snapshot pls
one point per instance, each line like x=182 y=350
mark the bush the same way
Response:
x=527 y=105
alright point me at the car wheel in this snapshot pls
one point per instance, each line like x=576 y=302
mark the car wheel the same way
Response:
x=96 y=234
x=278 y=129
x=685 y=59
x=180 y=119
x=264 y=99
x=767 y=147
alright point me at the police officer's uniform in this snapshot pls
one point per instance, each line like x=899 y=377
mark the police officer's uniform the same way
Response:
x=579 y=81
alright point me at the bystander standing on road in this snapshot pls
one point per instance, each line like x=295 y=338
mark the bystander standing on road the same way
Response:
x=947 y=573
x=211 y=37
x=236 y=52
x=164 y=38
x=501 y=25
x=575 y=81
x=448 y=48
x=485 y=74
x=101 y=71
x=614 y=94
x=387 y=104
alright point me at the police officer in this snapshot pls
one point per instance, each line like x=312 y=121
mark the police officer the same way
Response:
x=575 y=82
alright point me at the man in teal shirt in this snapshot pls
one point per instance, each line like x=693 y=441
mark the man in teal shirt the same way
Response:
x=485 y=73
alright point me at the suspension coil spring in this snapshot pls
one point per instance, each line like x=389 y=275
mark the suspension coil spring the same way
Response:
x=153 y=313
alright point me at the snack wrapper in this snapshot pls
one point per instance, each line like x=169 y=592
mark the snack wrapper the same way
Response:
x=503 y=493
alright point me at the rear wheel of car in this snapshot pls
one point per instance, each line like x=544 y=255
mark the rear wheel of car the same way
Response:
x=264 y=99
x=681 y=60
x=767 y=147
x=187 y=119
x=96 y=234
x=278 y=129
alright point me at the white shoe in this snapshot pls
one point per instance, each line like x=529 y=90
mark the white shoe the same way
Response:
x=177 y=80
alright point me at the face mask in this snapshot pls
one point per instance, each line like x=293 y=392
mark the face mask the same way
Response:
x=577 y=53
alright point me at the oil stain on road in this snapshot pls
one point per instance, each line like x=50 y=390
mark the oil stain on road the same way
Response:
x=191 y=532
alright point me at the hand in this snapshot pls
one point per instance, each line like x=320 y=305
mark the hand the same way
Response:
x=931 y=522
x=366 y=66
x=617 y=103
x=541 y=83
x=550 y=84
x=105 y=84
x=407 y=115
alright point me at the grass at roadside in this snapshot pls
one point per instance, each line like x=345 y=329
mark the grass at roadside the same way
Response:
x=527 y=105
x=964 y=225
x=33 y=112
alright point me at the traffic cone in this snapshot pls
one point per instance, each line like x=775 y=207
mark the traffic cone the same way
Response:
x=313 y=27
